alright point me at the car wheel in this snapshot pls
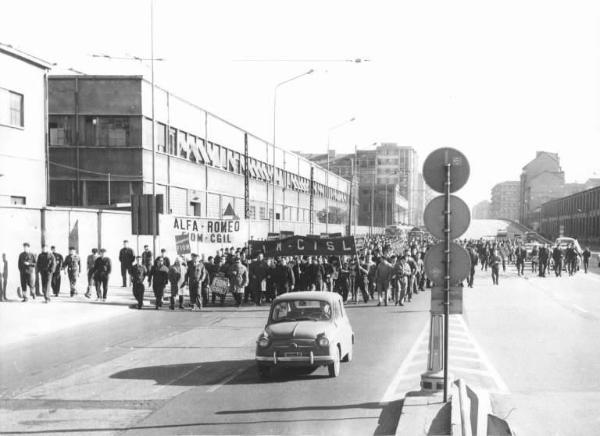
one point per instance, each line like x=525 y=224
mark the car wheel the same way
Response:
x=334 y=368
x=264 y=371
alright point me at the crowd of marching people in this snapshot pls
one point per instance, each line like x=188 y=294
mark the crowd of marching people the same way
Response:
x=386 y=269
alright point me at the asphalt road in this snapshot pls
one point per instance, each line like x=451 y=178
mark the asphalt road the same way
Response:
x=162 y=372
x=530 y=342
x=541 y=334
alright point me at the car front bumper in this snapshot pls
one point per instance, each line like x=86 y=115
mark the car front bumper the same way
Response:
x=305 y=360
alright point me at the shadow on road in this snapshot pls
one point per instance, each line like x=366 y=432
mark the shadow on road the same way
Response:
x=209 y=373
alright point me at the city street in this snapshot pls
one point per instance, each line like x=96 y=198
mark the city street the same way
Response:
x=156 y=372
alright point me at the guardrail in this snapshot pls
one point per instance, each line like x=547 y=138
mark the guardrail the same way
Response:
x=471 y=413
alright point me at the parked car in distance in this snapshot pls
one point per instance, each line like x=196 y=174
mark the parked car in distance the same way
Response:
x=305 y=330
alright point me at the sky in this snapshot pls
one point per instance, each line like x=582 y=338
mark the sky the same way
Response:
x=497 y=80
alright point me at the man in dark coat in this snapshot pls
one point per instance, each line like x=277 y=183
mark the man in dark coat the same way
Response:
x=45 y=266
x=586 y=259
x=72 y=264
x=557 y=257
x=26 y=265
x=126 y=257
x=102 y=270
x=159 y=276
x=147 y=259
x=56 y=277
x=520 y=255
x=138 y=272
x=258 y=272
x=283 y=277
x=195 y=275
x=544 y=254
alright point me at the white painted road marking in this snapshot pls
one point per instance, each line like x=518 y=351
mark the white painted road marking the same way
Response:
x=503 y=388
x=390 y=393
x=175 y=380
x=226 y=379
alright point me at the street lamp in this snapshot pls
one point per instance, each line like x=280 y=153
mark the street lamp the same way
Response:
x=141 y=59
x=331 y=129
x=274 y=136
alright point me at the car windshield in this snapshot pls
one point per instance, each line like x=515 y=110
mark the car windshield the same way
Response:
x=301 y=310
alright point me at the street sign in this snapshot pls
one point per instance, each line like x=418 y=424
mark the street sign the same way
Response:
x=460 y=264
x=460 y=216
x=456 y=300
x=434 y=169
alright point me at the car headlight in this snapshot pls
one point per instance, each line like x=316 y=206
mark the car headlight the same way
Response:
x=263 y=341
x=322 y=341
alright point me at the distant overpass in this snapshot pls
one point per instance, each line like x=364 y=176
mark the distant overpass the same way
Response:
x=480 y=228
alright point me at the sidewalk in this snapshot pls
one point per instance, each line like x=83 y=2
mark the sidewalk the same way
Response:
x=22 y=321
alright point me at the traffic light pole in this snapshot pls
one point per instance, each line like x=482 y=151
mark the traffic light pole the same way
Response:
x=447 y=238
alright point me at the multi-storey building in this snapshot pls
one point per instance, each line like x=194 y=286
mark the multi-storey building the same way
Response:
x=481 y=211
x=101 y=153
x=23 y=178
x=505 y=200
x=542 y=180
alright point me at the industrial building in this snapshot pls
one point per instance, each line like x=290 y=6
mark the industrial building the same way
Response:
x=577 y=215
x=101 y=153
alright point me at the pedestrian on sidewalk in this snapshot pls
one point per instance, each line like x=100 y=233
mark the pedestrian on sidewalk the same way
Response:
x=102 y=270
x=91 y=261
x=177 y=281
x=544 y=255
x=585 y=255
x=138 y=273
x=27 y=264
x=194 y=276
x=160 y=278
x=495 y=261
x=72 y=264
x=3 y=277
x=56 y=275
x=45 y=267
x=126 y=257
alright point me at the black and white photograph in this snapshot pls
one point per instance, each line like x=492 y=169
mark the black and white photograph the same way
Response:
x=262 y=217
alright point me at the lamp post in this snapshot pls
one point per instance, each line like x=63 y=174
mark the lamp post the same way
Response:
x=141 y=59
x=275 y=137
x=331 y=129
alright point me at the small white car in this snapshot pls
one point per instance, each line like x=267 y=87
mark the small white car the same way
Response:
x=306 y=330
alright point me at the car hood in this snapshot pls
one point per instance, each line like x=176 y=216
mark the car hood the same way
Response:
x=299 y=329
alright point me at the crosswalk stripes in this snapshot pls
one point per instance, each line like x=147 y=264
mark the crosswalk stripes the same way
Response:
x=467 y=360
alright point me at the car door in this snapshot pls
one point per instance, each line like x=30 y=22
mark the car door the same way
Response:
x=344 y=326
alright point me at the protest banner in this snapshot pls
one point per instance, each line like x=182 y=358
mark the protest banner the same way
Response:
x=302 y=245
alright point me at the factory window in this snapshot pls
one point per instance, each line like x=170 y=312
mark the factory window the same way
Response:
x=20 y=201
x=11 y=108
x=16 y=109
x=262 y=213
x=106 y=131
x=61 y=130
x=160 y=136
x=172 y=141
x=252 y=212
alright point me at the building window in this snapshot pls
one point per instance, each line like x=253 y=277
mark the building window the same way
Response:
x=262 y=213
x=11 y=108
x=172 y=141
x=252 y=212
x=160 y=136
x=61 y=130
x=106 y=131
x=16 y=109
x=19 y=201
x=196 y=208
